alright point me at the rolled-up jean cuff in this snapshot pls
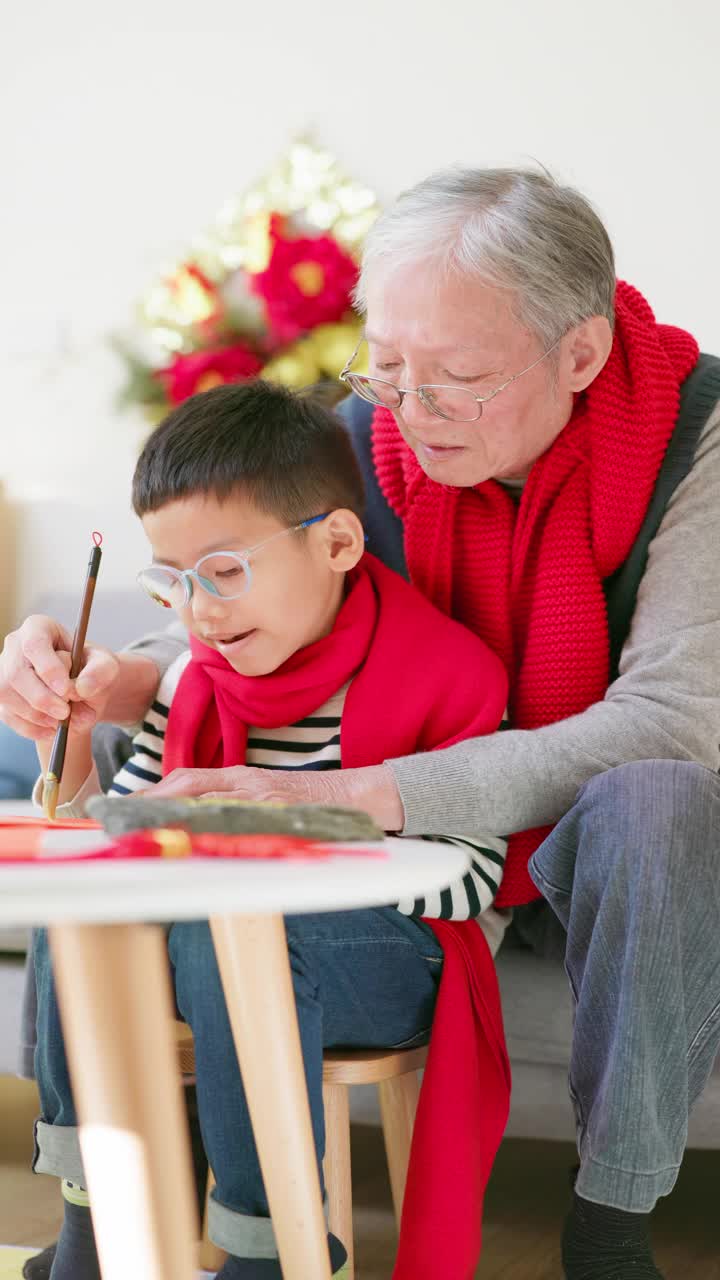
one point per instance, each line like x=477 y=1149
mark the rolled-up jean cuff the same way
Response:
x=621 y=1188
x=57 y=1151
x=240 y=1233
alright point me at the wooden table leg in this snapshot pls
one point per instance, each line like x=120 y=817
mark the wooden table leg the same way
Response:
x=115 y=1001
x=253 y=961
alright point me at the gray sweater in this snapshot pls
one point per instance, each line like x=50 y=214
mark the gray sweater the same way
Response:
x=664 y=704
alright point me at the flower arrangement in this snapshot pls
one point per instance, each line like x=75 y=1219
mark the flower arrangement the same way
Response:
x=266 y=292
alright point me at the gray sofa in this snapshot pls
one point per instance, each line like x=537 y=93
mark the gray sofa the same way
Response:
x=536 y=1000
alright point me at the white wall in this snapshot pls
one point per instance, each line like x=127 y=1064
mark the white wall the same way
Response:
x=124 y=131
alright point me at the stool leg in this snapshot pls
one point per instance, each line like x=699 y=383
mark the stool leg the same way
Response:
x=337 y=1169
x=210 y=1256
x=398 y=1104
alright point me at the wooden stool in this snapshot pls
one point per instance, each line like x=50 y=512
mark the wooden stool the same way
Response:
x=395 y=1072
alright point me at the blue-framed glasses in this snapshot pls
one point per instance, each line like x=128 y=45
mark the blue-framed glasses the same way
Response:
x=221 y=573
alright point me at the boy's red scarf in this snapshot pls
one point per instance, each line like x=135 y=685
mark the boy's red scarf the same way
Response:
x=397 y=703
x=529 y=580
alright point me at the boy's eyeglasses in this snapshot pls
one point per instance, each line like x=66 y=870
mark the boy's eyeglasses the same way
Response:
x=221 y=573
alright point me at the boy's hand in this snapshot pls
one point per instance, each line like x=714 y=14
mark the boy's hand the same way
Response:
x=36 y=692
x=372 y=789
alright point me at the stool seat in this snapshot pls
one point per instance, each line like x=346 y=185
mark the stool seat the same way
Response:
x=370 y=1066
x=395 y=1072
x=185 y=1049
x=340 y=1066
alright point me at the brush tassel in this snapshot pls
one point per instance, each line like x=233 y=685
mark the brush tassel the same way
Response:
x=51 y=787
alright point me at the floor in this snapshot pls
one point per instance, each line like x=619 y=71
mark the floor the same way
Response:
x=525 y=1205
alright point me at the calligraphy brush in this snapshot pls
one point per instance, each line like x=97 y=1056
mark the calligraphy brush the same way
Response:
x=53 y=776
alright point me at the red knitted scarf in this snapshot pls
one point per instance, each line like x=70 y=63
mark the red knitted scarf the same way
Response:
x=529 y=579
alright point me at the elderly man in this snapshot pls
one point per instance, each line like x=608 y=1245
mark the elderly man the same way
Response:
x=527 y=431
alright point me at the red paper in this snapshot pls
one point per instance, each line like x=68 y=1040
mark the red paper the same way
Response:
x=31 y=840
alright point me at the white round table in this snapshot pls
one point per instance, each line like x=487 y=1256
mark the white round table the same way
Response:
x=121 y=891
x=114 y=990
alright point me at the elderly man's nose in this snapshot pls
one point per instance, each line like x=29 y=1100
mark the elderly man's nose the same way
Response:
x=415 y=412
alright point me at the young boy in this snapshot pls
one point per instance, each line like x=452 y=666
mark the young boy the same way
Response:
x=306 y=653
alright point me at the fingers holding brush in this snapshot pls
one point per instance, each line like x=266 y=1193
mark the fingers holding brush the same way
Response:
x=32 y=677
x=36 y=691
x=88 y=692
x=35 y=712
x=69 y=732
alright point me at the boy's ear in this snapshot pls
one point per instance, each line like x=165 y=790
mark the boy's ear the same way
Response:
x=343 y=539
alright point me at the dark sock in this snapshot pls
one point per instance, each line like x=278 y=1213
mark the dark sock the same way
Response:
x=38 y=1267
x=600 y=1243
x=269 y=1268
x=76 y=1256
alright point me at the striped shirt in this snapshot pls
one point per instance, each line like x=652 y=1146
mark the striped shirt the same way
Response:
x=314 y=743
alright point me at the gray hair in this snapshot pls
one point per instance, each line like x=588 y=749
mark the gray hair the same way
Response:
x=512 y=228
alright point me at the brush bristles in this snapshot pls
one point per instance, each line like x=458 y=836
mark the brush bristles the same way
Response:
x=50 y=796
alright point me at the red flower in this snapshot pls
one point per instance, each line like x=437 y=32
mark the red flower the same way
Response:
x=307 y=282
x=204 y=369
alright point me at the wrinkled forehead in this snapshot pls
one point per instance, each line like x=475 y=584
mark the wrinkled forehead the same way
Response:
x=421 y=309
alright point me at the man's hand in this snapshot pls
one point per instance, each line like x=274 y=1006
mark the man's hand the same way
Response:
x=36 y=691
x=372 y=789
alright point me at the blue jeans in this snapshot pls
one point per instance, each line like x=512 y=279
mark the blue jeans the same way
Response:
x=18 y=765
x=361 y=978
x=633 y=873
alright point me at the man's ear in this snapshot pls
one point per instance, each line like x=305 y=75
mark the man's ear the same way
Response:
x=343 y=539
x=586 y=349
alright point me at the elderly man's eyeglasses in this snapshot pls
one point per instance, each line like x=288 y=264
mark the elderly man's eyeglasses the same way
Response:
x=221 y=573
x=455 y=404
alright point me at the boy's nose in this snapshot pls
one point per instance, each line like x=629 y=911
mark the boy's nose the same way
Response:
x=206 y=605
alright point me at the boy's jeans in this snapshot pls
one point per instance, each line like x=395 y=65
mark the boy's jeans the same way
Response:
x=361 y=978
x=18 y=765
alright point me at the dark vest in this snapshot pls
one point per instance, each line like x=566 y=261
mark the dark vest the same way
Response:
x=699 y=395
